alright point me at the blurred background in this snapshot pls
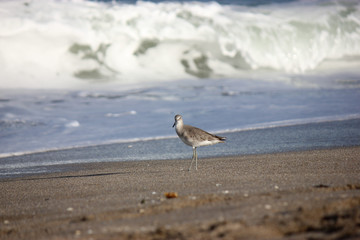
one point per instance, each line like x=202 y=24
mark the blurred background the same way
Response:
x=79 y=73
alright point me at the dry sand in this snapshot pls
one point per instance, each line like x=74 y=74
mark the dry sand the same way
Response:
x=298 y=195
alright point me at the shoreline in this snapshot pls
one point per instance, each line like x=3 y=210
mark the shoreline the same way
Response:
x=292 y=195
x=325 y=135
x=256 y=127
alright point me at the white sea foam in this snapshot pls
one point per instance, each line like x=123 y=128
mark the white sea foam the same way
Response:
x=73 y=124
x=73 y=44
x=292 y=122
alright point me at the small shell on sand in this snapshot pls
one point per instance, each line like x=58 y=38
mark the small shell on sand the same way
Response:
x=171 y=195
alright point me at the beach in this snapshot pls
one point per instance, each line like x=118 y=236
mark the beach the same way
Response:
x=88 y=95
x=295 y=195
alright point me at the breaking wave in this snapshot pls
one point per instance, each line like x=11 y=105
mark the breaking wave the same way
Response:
x=73 y=43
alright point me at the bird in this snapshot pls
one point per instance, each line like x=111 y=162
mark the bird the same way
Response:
x=194 y=137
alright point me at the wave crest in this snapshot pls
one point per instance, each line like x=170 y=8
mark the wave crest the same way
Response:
x=73 y=41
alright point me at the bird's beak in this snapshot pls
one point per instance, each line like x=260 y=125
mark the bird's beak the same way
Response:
x=174 y=124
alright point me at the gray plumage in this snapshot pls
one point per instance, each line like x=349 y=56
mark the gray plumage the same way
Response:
x=194 y=137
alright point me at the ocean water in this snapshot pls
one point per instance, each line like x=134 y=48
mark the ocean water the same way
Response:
x=91 y=73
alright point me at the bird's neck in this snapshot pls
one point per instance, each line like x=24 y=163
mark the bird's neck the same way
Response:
x=179 y=126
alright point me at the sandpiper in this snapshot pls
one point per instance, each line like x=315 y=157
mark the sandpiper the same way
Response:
x=194 y=137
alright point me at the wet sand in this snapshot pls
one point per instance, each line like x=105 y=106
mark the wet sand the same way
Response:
x=297 y=195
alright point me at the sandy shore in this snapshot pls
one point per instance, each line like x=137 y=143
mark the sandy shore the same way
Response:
x=298 y=195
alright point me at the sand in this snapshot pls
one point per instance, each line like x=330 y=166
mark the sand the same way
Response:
x=297 y=195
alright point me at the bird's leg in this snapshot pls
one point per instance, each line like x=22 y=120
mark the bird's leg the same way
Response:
x=195 y=160
x=193 y=157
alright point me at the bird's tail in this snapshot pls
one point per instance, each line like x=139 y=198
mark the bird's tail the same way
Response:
x=222 y=139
